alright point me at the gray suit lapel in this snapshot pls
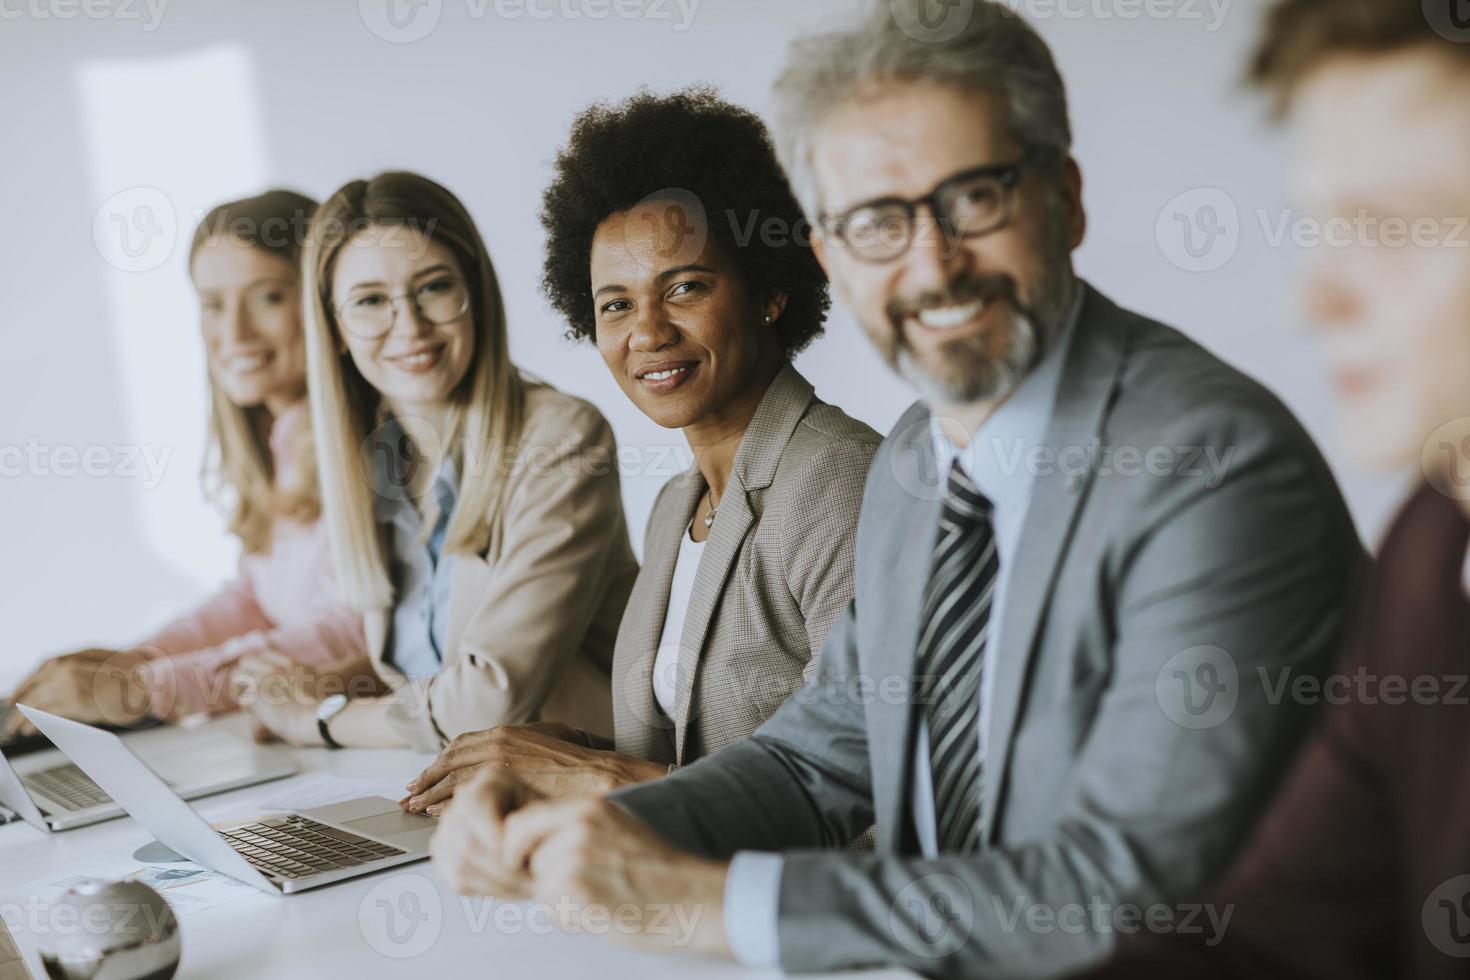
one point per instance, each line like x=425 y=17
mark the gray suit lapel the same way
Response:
x=904 y=553
x=647 y=734
x=1088 y=380
x=781 y=410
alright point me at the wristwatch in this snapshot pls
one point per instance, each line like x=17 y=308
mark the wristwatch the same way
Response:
x=330 y=708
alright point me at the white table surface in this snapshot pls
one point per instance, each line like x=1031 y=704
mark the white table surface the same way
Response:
x=359 y=928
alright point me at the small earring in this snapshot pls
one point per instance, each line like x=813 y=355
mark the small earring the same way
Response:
x=768 y=319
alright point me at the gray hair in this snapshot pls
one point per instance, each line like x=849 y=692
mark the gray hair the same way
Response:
x=976 y=44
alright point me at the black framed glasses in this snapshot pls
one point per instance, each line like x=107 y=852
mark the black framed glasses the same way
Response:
x=369 y=313
x=972 y=203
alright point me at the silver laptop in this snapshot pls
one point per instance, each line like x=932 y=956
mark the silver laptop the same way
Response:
x=284 y=853
x=50 y=792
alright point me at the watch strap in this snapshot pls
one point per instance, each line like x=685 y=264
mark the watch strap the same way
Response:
x=326 y=732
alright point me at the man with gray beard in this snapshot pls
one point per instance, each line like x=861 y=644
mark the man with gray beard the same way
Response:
x=1054 y=688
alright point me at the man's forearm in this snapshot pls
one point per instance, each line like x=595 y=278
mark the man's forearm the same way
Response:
x=740 y=799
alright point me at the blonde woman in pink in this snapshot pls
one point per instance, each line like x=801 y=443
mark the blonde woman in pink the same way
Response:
x=283 y=605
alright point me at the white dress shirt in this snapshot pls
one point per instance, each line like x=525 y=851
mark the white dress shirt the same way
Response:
x=666 y=661
x=996 y=460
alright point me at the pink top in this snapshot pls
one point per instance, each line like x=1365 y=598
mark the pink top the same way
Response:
x=283 y=599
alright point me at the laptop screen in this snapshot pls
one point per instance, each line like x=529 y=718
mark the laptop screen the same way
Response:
x=13 y=745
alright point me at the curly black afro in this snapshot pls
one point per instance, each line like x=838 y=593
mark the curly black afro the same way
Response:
x=692 y=140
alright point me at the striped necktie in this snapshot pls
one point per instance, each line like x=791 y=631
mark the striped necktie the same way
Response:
x=951 y=655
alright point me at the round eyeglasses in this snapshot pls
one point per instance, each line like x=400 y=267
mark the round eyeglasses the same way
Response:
x=371 y=312
x=971 y=203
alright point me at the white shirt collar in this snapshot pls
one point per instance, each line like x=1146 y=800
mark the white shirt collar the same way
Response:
x=996 y=456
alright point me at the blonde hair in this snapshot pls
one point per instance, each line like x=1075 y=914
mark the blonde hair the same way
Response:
x=239 y=472
x=486 y=409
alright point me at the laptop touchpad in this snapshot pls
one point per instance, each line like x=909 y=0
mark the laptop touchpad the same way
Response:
x=410 y=831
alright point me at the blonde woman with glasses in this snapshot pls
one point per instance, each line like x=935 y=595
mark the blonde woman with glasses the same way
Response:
x=475 y=515
x=283 y=605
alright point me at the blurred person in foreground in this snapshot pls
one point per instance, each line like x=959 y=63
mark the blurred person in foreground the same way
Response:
x=1361 y=867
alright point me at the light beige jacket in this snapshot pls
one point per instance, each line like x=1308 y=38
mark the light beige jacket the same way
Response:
x=532 y=621
x=775 y=574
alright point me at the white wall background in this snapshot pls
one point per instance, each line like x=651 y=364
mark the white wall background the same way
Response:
x=118 y=112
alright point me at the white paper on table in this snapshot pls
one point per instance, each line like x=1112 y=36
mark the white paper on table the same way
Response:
x=190 y=888
x=185 y=886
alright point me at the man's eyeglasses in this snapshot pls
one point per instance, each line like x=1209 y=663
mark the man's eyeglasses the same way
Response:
x=370 y=313
x=969 y=204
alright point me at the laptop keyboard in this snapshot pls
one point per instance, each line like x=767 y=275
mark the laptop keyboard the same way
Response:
x=294 y=846
x=68 y=787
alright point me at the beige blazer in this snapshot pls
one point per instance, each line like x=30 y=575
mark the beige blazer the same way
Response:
x=532 y=622
x=775 y=575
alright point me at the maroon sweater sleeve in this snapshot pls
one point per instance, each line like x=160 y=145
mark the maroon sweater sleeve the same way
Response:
x=1332 y=882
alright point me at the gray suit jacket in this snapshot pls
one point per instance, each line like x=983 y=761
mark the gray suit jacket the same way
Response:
x=775 y=575
x=1110 y=780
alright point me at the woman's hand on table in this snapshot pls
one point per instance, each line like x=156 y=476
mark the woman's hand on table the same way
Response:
x=281 y=697
x=94 y=686
x=552 y=759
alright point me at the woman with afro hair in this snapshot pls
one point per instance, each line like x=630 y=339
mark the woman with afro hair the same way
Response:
x=676 y=246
